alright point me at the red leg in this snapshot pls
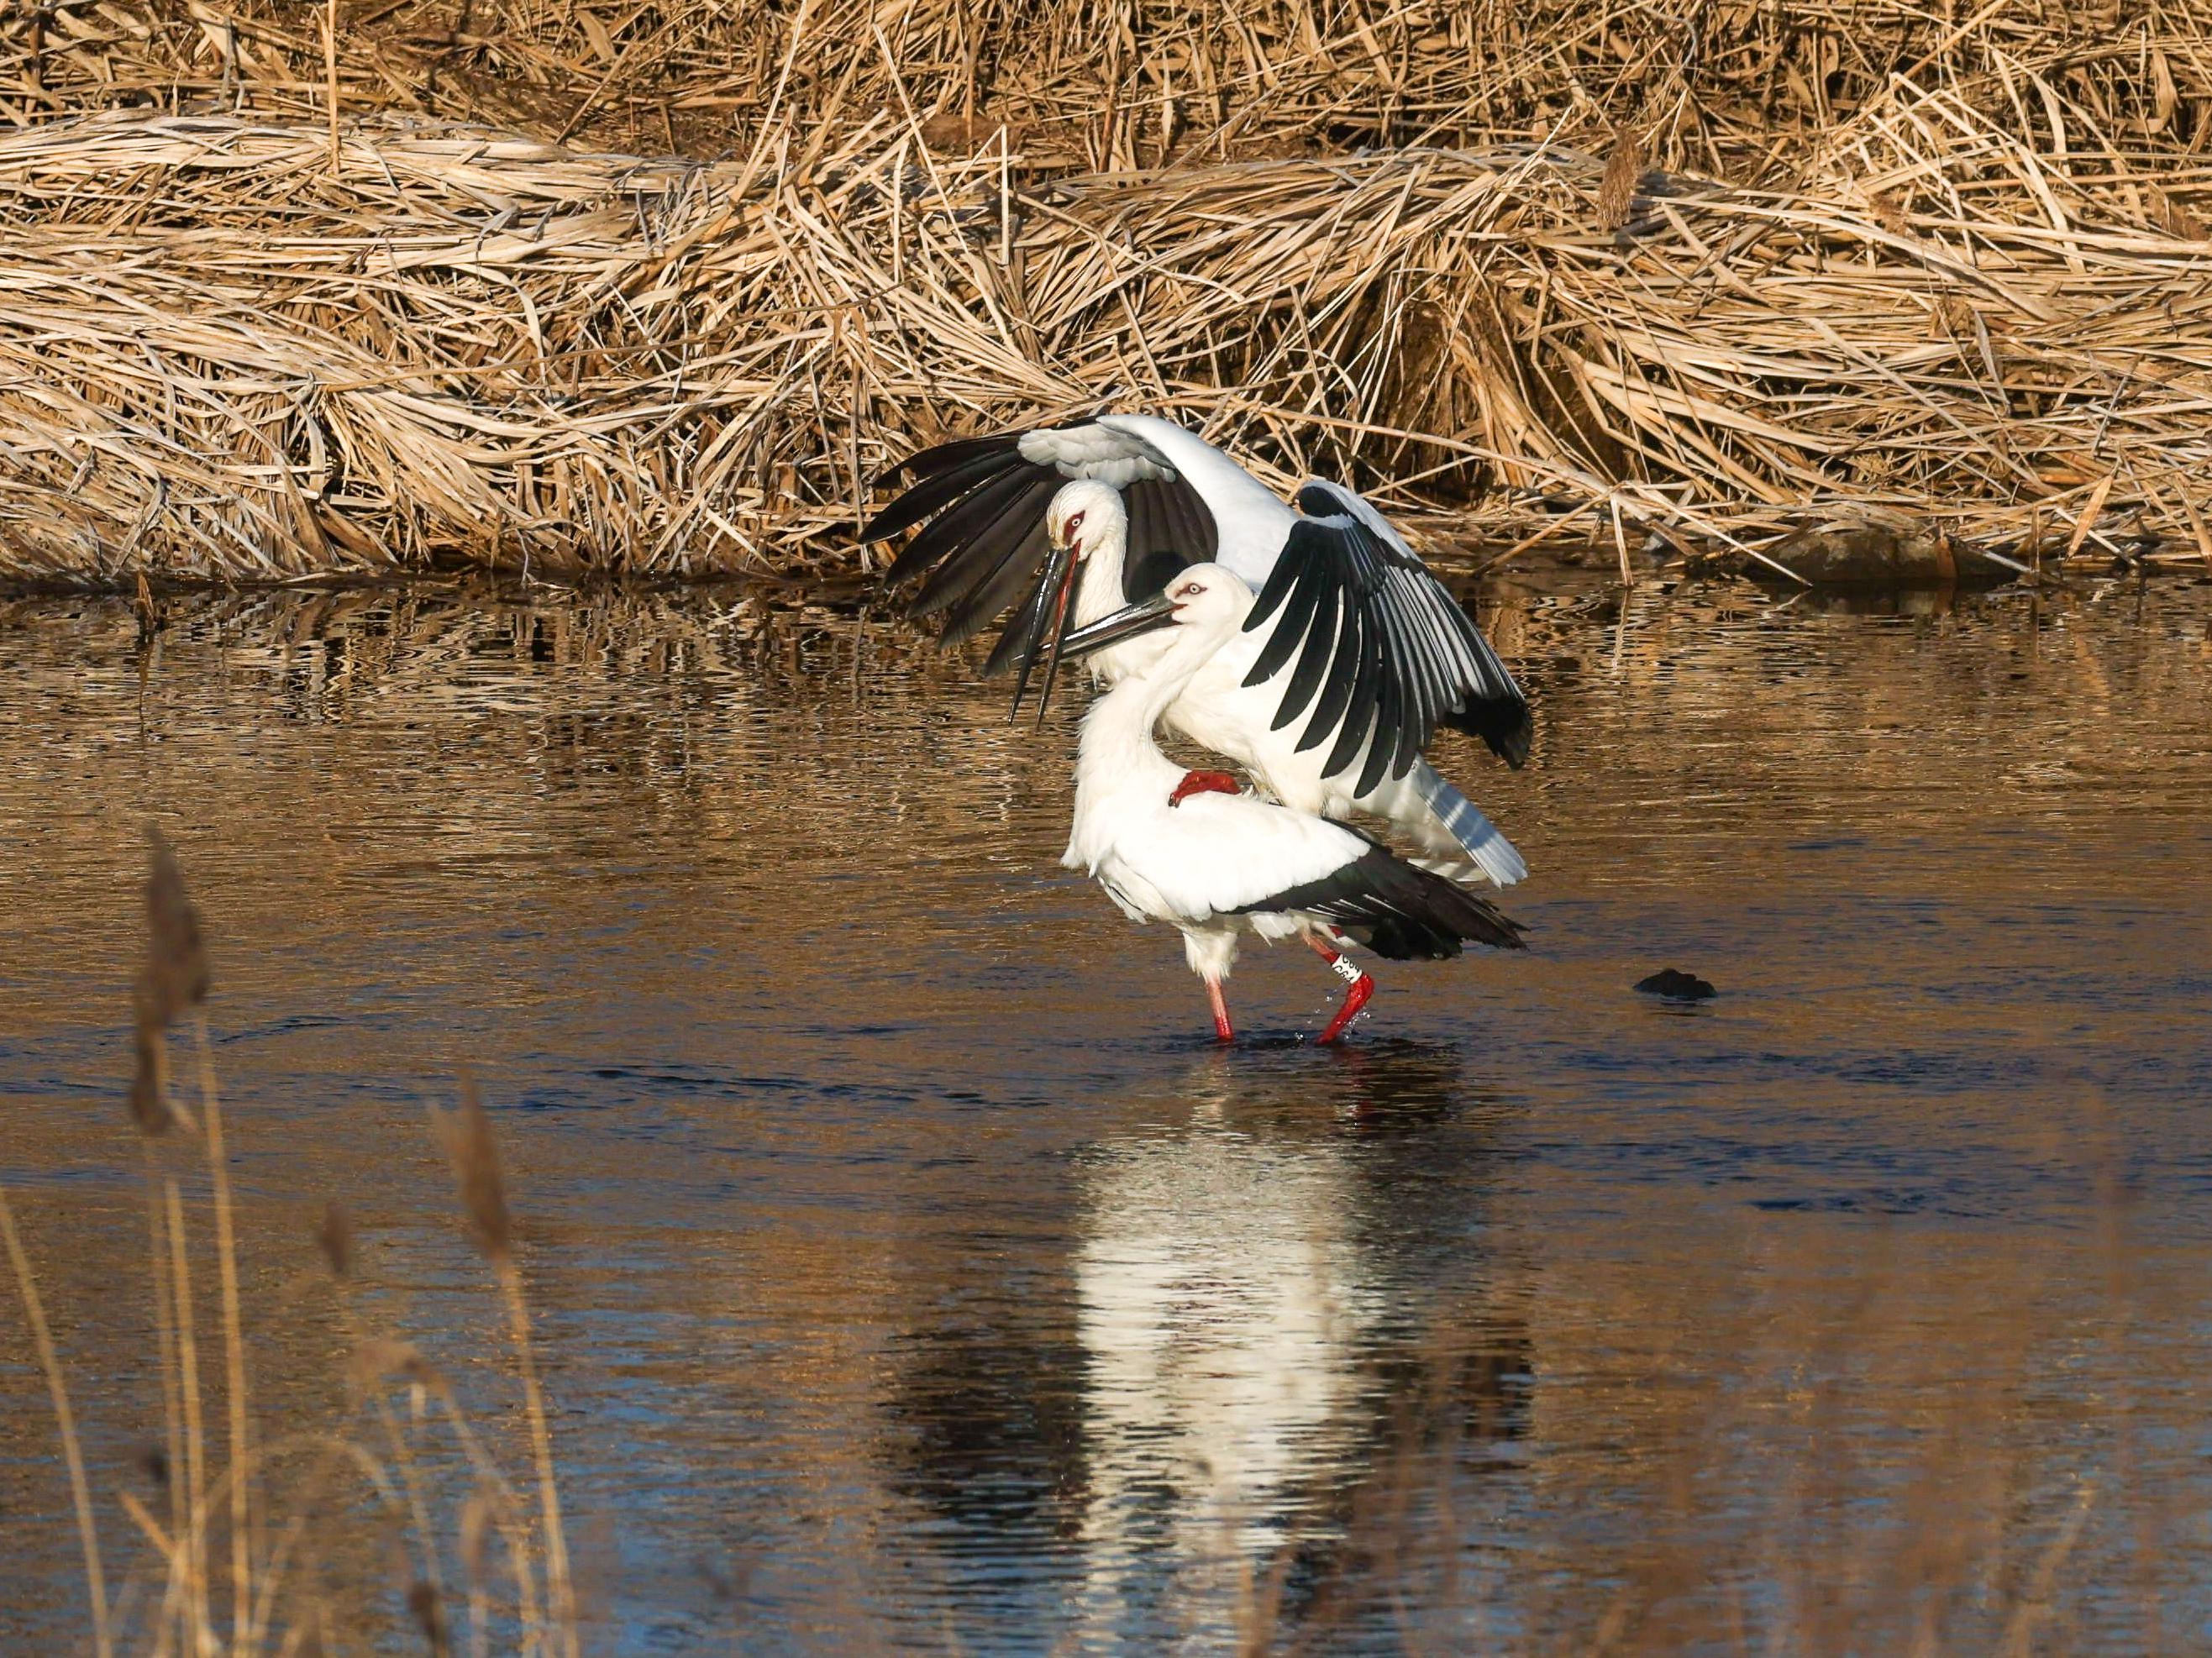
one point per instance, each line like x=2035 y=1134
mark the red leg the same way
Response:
x=1221 y=1025
x=1358 y=987
x=1203 y=782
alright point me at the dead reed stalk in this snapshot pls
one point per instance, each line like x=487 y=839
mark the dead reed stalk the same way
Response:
x=42 y=1341
x=271 y=1532
x=475 y=1156
x=457 y=347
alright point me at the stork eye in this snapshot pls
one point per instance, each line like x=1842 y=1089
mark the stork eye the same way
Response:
x=1075 y=521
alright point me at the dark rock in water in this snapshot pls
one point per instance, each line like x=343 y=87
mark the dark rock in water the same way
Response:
x=1676 y=986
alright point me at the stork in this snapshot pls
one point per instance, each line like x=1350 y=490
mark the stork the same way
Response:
x=1354 y=652
x=1188 y=848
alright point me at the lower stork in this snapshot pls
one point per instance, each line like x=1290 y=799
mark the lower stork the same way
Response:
x=1187 y=848
x=1351 y=656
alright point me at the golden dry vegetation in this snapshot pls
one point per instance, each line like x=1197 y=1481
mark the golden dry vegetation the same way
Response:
x=259 y=1534
x=293 y=290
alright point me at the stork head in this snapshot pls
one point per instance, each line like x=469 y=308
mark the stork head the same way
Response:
x=1083 y=515
x=1205 y=601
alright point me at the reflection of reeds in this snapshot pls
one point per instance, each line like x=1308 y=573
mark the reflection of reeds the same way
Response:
x=233 y=1568
x=1777 y=1440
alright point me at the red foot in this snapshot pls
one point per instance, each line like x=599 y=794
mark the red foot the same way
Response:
x=1357 y=988
x=1203 y=782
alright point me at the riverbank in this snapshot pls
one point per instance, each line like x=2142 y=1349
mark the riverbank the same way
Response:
x=453 y=348
x=246 y=335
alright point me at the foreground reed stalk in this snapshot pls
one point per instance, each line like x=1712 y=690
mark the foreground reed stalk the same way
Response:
x=277 y=1600
x=160 y=1197
x=35 y=1313
x=234 y=1346
x=475 y=1156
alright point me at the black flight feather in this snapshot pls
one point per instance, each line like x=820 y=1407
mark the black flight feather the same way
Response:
x=1408 y=912
x=1020 y=634
x=1389 y=712
x=971 y=522
x=1336 y=691
x=1360 y=708
x=1001 y=589
x=1324 y=638
x=928 y=463
x=1290 y=627
x=1504 y=724
x=1272 y=593
x=934 y=491
x=1147 y=578
x=943 y=539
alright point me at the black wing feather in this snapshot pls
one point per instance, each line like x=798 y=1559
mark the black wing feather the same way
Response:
x=1389 y=722
x=1402 y=656
x=1324 y=639
x=1306 y=589
x=987 y=535
x=1273 y=592
x=1195 y=533
x=1141 y=502
x=929 y=463
x=936 y=490
x=1360 y=711
x=947 y=549
x=1406 y=912
x=1021 y=564
x=1336 y=691
x=1024 y=632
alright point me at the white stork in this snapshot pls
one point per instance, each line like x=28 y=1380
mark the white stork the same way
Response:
x=1187 y=849
x=1353 y=654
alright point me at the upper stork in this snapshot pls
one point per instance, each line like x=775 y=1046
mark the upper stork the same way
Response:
x=1352 y=655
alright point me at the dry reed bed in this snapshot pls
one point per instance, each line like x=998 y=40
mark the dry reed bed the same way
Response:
x=1116 y=84
x=235 y=350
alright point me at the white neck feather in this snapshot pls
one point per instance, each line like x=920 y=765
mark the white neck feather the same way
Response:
x=1117 y=762
x=1098 y=592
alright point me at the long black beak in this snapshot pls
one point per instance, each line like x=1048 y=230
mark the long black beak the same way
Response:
x=1063 y=622
x=1047 y=609
x=1153 y=614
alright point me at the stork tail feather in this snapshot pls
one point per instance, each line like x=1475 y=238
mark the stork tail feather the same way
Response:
x=1482 y=840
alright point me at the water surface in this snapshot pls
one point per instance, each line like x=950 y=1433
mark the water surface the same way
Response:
x=912 y=1271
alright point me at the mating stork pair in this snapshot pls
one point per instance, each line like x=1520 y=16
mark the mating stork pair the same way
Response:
x=1312 y=648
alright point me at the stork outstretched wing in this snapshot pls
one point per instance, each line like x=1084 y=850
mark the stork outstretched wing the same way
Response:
x=986 y=543
x=1380 y=653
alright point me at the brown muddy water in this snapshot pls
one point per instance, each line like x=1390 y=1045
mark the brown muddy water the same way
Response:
x=911 y=1270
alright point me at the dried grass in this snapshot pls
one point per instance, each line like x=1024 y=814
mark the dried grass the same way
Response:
x=1877 y=261
x=259 y=1592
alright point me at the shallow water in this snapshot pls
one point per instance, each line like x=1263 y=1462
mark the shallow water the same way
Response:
x=912 y=1271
